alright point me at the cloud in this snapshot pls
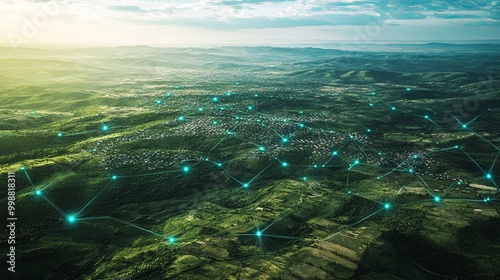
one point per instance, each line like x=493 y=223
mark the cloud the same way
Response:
x=127 y=8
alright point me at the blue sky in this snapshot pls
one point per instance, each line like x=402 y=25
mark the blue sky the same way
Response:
x=226 y=22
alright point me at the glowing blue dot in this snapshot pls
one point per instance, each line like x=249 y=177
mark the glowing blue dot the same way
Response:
x=181 y=118
x=171 y=240
x=356 y=162
x=349 y=192
x=228 y=93
x=488 y=199
x=71 y=219
x=464 y=126
x=246 y=185
x=284 y=164
x=258 y=233
x=408 y=89
x=105 y=128
x=114 y=177
x=262 y=148
x=284 y=140
x=168 y=94
x=368 y=130
x=415 y=156
x=426 y=117
x=215 y=99
x=304 y=178
x=371 y=104
x=437 y=199
x=200 y=109
x=374 y=93
x=393 y=108
x=230 y=133
x=222 y=108
x=215 y=122
x=237 y=117
x=301 y=112
x=158 y=101
x=489 y=176
x=315 y=166
x=23 y=168
x=301 y=125
x=387 y=206
x=250 y=108
x=410 y=170
x=379 y=153
x=256 y=95
x=38 y=192
x=185 y=169
x=456 y=147
x=334 y=153
x=59 y=134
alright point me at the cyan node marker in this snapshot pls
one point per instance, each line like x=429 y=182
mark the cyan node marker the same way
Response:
x=185 y=169
x=181 y=118
x=387 y=206
x=258 y=233
x=38 y=192
x=437 y=199
x=215 y=99
x=59 y=134
x=71 y=219
x=105 y=127
x=171 y=239
x=114 y=177
x=246 y=185
x=284 y=140
x=284 y=164
x=489 y=176
x=393 y=108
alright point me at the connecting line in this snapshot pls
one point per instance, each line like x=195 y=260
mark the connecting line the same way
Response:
x=28 y=176
x=429 y=119
x=396 y=168
x=484 y=139
x=121 y=222
x=92 y=200
x=473 y=160
x=277 y=220
x=494 y=162
x=254 y=214
x=54 y=206
x=218 y=143
x=449 y=188
x=368 y=146
x=401 y=189
x=424 y=184
x=350 y=226
x=355 y=142
x=262 y=171
x=150 y=174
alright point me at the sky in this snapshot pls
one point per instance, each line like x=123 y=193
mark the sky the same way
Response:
x=239 y=22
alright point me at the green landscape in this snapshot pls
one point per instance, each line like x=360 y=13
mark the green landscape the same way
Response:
x=253 y=162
